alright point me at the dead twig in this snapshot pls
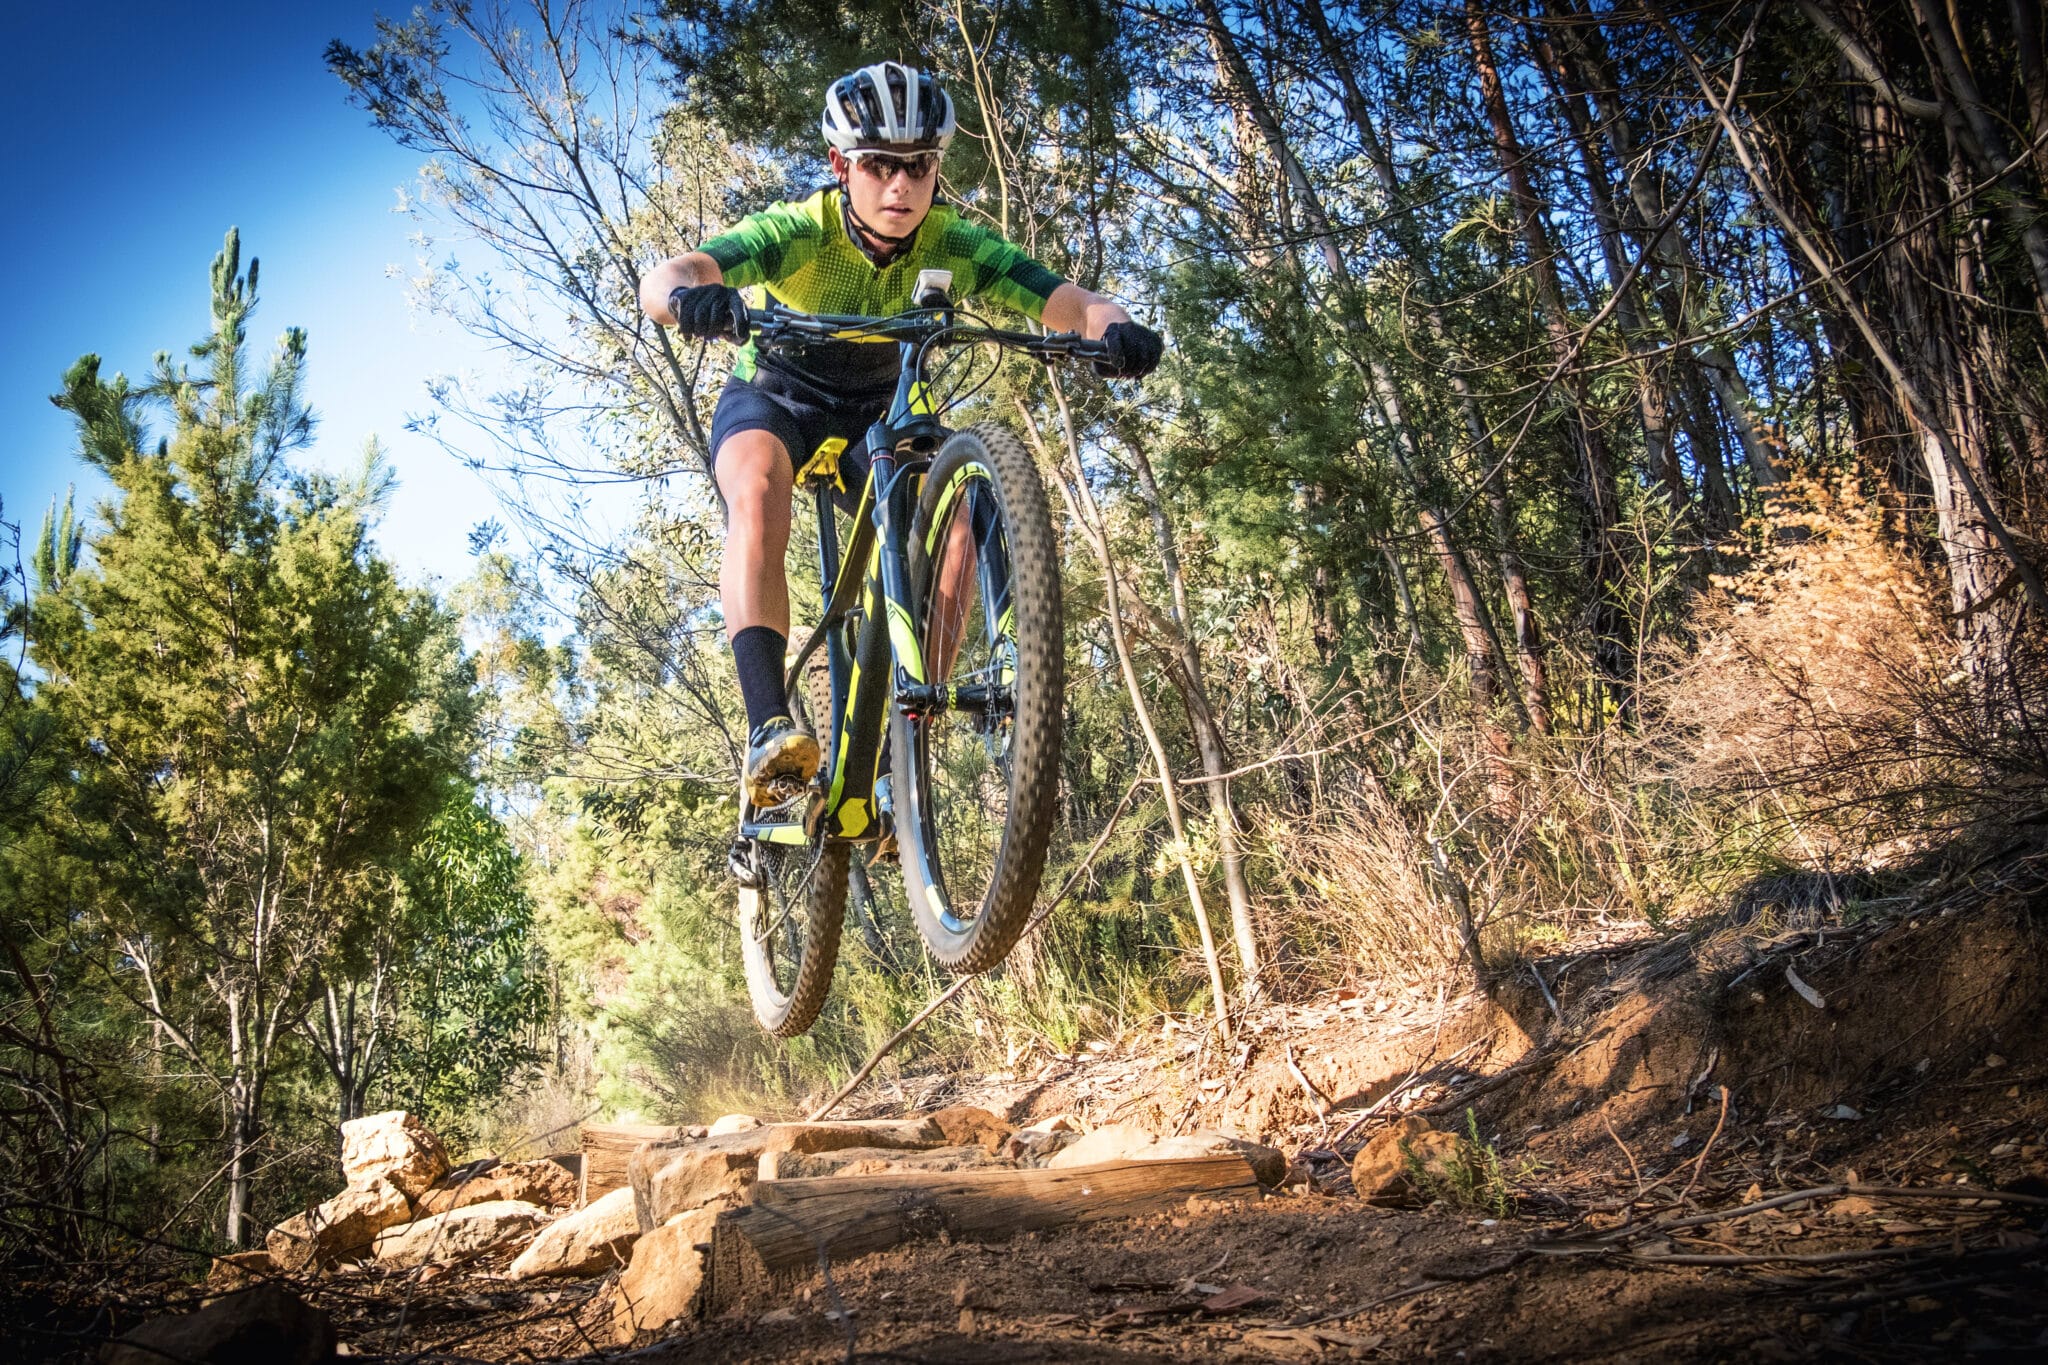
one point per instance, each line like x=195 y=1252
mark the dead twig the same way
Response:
x=1316 y=1098
x=1414 y=1073
x=1700 y=1164
x=1371 y=1304
x=1493 y=1083
x=1633 y=1169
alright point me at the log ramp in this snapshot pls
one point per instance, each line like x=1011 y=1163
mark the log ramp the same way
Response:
x=788 y=1228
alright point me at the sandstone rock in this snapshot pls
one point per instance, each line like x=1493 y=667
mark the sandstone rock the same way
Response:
x=239 y=1270
x=457 y=1233
x=342 y=1229
x=669 y=1180
x=589 y=1241
x=1381 y=1170
x=268 y=1323
x=1058 y=1123
x=690 y=1179
x=1036 y=1147
x=396 y=1146
x=1127 y=1142
x=543 y=1182
x=964 y=1125
x=1269 y=1165
x=1111 y=1142
x=874 y=1161
x=733 y=1123
x=666 y=1279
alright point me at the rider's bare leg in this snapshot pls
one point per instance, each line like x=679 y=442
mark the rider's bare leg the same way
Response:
x=952 y=595
x=757 y=483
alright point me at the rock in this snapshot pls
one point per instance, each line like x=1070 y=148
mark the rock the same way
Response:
x=964 y=1125
x=1126 y=1142
x=543 y=1182
x=1381 y=1168
x=589 y=1241
x=342 y=1229
x=1034 y=1147
x=733 y=1123
x=1058 y=1123
x=689 y=1179
x=1111 y=1142
x=874 y=1161
x=666 y=1279
x=1269 y=1165
x=239 y=1270
x=266 y=1325
x=670 y=1180
x=396 y=1146
x=451 y=1236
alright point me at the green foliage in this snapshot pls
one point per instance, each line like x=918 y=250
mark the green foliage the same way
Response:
x=472 y=989
x=258 y=723
x=1472 y=1178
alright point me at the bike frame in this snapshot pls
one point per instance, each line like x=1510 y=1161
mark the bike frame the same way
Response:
x=870 y=591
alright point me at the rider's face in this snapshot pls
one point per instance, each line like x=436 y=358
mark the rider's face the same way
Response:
x=885 y=194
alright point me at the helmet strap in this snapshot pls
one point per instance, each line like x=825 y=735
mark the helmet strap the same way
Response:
x=860 y=230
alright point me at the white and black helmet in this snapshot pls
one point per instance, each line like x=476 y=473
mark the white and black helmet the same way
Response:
x=888 y=107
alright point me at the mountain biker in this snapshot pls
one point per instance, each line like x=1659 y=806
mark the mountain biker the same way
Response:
x=853 y=247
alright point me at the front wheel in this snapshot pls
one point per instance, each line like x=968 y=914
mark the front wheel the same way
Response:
x=975 y=816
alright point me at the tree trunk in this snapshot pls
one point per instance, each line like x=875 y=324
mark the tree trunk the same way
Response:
x=1599 y=490
x=1210 y=740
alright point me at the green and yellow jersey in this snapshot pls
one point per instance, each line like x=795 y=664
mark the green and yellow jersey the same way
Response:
x=801 y=254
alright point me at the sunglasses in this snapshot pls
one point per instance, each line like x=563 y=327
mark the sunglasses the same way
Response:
x=883 y=166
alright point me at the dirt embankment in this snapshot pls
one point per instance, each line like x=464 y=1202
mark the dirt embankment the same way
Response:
x=1828 y=1142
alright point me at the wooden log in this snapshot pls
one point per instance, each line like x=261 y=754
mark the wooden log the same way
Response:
x=607 y=1147
x=787 y=1221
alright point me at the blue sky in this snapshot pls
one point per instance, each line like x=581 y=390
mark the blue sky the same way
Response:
x=136 y=135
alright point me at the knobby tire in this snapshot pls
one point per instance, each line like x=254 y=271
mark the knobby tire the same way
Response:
x=1001 y=909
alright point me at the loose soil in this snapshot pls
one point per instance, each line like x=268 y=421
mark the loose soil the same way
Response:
x=1877 y=1084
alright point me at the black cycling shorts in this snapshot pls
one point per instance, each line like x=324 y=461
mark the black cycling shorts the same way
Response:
x=800 y=416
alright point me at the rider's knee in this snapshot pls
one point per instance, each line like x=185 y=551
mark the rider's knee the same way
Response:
x=748 y=478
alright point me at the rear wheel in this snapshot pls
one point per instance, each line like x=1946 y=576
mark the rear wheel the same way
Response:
x=974 y=804
x=790 y=920
x=792 y=907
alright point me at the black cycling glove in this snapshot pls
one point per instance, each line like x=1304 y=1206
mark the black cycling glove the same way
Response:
x=1134 y=351
x=713 y=311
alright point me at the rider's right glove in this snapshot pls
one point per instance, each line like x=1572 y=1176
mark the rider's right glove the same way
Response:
x=712 y=311
x=1134 y=351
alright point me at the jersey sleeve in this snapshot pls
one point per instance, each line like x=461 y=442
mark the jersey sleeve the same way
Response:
x=763 y=247
x=1000 y=271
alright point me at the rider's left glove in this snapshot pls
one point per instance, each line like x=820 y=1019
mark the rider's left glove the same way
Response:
x=1134 y=351
x=716 y=312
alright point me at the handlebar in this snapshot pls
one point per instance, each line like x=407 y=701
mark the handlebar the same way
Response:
x=775 y=325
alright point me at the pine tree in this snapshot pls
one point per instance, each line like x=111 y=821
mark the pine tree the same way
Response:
x=265 y=720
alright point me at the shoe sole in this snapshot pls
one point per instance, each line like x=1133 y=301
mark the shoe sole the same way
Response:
x=791 y=766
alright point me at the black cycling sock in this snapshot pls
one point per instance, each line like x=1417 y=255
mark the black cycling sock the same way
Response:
x=757 y=654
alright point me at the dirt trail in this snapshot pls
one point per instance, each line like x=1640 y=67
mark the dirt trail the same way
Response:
x=1918 y=1072
x=1883 y=1143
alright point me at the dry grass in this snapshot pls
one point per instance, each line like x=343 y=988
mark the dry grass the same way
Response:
x=1827 y=688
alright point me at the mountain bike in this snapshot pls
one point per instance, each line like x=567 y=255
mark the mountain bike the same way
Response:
x=938 y=707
